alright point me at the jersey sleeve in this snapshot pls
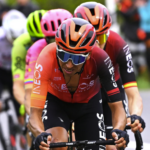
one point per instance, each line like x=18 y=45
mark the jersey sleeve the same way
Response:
x=124 y=59
x=106 y=73
x=40 y=80
x=31 y=59
x=29 y=69
x=18 y=62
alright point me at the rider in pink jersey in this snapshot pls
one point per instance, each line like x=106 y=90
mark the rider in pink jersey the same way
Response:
x=49 y=24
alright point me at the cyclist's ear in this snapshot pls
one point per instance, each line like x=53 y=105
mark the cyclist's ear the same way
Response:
x=89 y=56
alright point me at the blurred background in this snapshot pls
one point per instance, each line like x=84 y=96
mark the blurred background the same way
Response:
x=131 y=20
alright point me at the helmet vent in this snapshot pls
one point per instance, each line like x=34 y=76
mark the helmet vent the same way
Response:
x=30 y=28
x=63 y=45
x=73 y=43
x=59 y=22
x=57 y=33
x=40 y=16
x=45 y=27
x=97 y=26
x=77 y=27
x=35 y=24
x=92 y=11
x=104 y=29
x=79 y=15
x=53 y=27
x=63 y=31
x=105 y=17
x=93 y=42
x=87 y=39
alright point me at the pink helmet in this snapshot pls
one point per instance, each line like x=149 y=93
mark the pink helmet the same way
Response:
x=52 y=19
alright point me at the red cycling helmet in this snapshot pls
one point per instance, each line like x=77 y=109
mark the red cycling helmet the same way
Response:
x=97 y=14
x=52 y=19
x=76 y=35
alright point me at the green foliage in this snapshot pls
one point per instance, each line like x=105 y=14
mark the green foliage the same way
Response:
x=143 y=81
x=70 y=5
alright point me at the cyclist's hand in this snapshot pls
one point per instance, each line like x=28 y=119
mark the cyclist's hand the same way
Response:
x=121 y=138
x=42 y=141
x=137 y=123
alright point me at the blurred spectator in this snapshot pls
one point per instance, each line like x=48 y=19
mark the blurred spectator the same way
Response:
x=3 y=2
x=130 y=27
x=26 y=7
x=3 y=10
x=144 y=30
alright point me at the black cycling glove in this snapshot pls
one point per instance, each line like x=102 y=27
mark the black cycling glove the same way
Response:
x=135 y=117
x=42 y=137
x=120 y=134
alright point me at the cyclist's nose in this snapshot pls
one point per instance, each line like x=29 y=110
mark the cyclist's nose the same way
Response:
x=69 y=64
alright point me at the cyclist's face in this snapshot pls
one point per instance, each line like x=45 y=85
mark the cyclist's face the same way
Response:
x=69 y=68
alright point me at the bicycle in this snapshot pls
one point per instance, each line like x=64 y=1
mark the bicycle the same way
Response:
x=80 y=145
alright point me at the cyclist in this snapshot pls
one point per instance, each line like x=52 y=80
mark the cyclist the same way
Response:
x=13 y=25
x=19 y=51
x=49 y=24
x=66 y=81
x=118 y=50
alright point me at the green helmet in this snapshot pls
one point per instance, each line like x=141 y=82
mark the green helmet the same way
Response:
x=33 y=23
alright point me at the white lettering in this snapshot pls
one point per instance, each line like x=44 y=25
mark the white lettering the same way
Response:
x=102 y=135
x=38 y=82
x=100 y=117
x=111 y=70
x=44 y=116
x=129 y=59
x=39 y=67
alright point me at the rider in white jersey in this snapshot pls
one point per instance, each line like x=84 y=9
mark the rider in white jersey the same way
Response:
x=13 y=25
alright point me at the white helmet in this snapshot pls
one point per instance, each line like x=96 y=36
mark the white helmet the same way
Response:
x=14 y=24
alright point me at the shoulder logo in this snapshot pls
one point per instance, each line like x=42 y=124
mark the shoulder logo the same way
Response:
x=57 y=78
x=88 y=76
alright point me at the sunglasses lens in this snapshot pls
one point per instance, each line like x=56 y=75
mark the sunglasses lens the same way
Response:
x=102 y=38
x=76 y=59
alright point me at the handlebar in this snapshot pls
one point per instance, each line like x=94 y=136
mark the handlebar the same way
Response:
x=137 y=135
x=81 y=143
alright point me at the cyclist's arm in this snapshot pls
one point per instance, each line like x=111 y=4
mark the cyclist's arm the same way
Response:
x=18 y=91
x=18 y=70
x=39 y=92
x=134 y=101
x=129 y=82
x=118 y=115
x=28 y=83
x=106 y=74
x=31 y=58
x=35 y=124
x=27 y=100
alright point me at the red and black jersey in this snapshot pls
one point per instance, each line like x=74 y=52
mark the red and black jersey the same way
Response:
x=49 y=78
x=121 y=57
